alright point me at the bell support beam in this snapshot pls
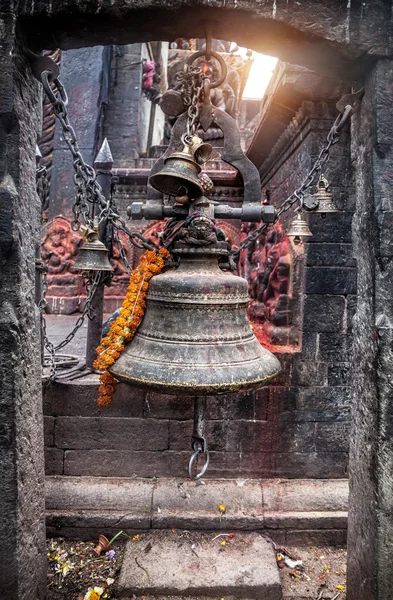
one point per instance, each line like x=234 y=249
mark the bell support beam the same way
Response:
x=250 y=213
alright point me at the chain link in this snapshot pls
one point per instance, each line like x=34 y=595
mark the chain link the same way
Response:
x=297 y=196
x=91 y=287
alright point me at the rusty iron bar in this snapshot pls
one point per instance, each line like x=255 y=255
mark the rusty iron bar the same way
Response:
x=103 y=167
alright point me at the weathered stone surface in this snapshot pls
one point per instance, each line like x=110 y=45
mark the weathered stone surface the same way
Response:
x=113 y=433
x=82 y=507
x=330 y=255
x=325 y=402
x=103 y=463
x=339 y=374
x=79 y=398
x=369 y=545
x=330 y=40
x=62 y=493
x=334 y=228
x=81 y=74
x=330 y=280
x=189 y=504
x=54 y=461
x=323 y=312
x=49 y=431
x=247 y=568
x=301 y=495
x=309 y=373
x=22 y=551
x=335 y=347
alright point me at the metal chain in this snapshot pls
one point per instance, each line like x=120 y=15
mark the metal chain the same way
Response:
x=91 y=288
x=88 y=189
x=297 y=196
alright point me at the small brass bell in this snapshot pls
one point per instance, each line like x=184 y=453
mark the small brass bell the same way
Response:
x=93 y=255
x=298 y=229
x=200 y=149
x=179 y=176
x=324 y=198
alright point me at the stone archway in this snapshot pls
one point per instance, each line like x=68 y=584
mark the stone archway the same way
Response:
x=340 y=37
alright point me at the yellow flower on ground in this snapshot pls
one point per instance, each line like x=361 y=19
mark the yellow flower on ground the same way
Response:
x=136 y=537
x=224 y=543
x=222 y=508
x=340 y=587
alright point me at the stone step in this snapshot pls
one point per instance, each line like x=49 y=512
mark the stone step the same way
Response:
x=178 y=563
x=289 y=511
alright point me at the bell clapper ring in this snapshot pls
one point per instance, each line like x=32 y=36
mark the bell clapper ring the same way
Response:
x=199 y=446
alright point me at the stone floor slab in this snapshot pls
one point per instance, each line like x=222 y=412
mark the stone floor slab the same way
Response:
x=180 y=563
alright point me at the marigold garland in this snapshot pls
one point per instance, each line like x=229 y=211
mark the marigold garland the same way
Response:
x=124 y=327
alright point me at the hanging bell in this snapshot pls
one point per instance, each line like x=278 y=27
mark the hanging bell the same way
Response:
x=195 y=338
x=324 y=198
x=298 y=229
x=93 y=255
x=179 y=175
x=201 y=150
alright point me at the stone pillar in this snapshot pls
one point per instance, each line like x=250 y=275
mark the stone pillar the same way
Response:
x=22 y=527
x=84 y=73
x=370 y=526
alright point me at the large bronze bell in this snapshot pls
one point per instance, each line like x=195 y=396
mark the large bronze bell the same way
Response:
x=179 y=175
x=195 y=338
x=93 y=255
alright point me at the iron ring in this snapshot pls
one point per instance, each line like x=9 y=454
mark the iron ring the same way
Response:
x=192 y=460
x=221 y=61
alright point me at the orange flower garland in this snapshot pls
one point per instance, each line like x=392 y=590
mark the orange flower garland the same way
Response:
x=131 y=313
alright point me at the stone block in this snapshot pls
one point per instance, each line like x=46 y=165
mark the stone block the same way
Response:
x=330 y=255
x=309 y=344
x=234 y=406
x=339 y=374
x=79 y=398
x=319 y=465
x=49 y=431
x=183 y=504
x=326 y=403
x=335 y=227
x=330 y=280
x=296 y=437
x=247 y=569
x=164 y=406
x=306 y=520
x=116 y=463
x=281 y=400
x=323 y=312
x=332 y=436
x=54 y=461
x=303 y=495
x=335 y=347
x=95 y=493
x=112 y=433
x=324 y=537
x=128 y=463
x=249 y=436
x=309 y=373
x=351 y=311
x=257 y=464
